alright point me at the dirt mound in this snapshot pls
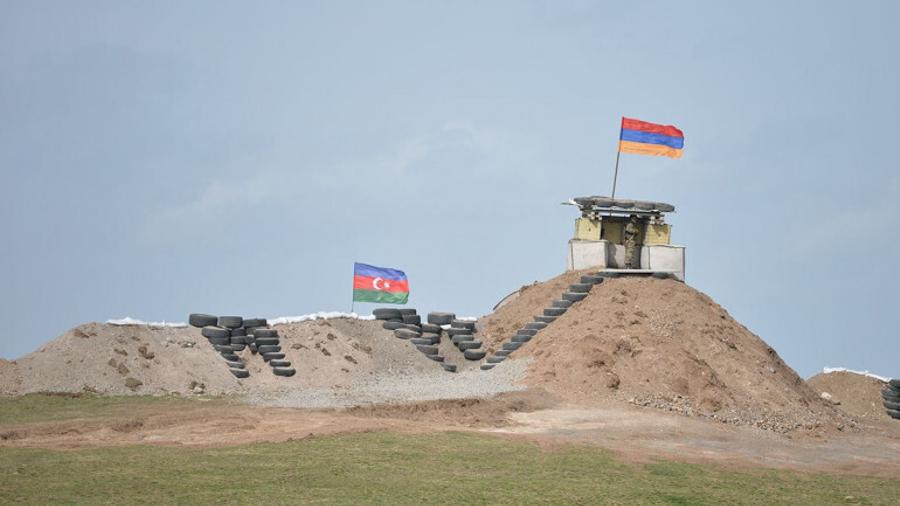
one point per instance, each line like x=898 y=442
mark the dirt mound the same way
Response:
x=858 y=395
x=125 y=359
x=660 y=343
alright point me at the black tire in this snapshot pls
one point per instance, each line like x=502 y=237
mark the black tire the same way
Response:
x=474 y=354
x=574 y=297
x=503 y=353
x=284 y=371
x=554 y=311
x=412 y=319
x=469 y=345
x=420 y=340
x=410 y=326
x=272 y=356
x=268 y=348
x=487 y=367
x=449 y=367
x=581 y=287
x=254 y=322
x=404 y=311
x=454 y=331
x=591 y=279
x=235 y=365
x=545 y=319
x=220 y=341
x=561 y=303
x=512 y=346
x=895 y=383
x=266 y=341
x=521 y=339
x=430 y=328
x=495 y=359
x=238 y=347
x=386 y=313
x=440 y=318
x=391 y=325
x=463 y=324
x=230 y=357
x=406 y=333
x=889 y=394
x=893 y=413
x=526 y=332
x=536 y=326
x=265 y=333
x=435 y=357
x=223 y=348
x=201 y=320
x=238 y=332
x=211 y=332
x=427 y=349
x=240 y=373
x=231 y=322
x=253 y=348
x=891 y=405
x=458 y=338
x=432 y=338
x=238 y=340
x=280 y=363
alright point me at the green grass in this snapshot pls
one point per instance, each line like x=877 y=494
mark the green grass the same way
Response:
x=60 y=407
x=391 y=468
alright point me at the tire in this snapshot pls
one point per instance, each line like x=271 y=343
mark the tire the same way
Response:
x=231 y=322
x=545 y=319
x=886 y=395
x=502 y=353
x=239 y=347
x=211 y=332
x=239 y=332
x=254 y=322
x=412 y=319
x=520 y=339
x=230 y=357
x=238 y=339
x=253 y=348
x=591 y=279
x=454 y=331
x=235 y=365
x=201 y=320
x=511 y=346
x=581 y=287
x=554 y=311
x=440 y=318
x=435 y=357
x=272 y=356
x=495 y=359
x=562 y=303
x=892 y=405
x=386 y=313
x=895 y=383
x=220 y=341
x=406 y=311
x=574 y=297
x=266 y=341
x=420 y=340
x=449 y=367
x=536 y=326
x=223 y=348
x=463 y=324
x=406 y=334
x=432 y=338
x=893 y=413
x=487 y=367
x=526 y=332
x=459 y=338
x=268 y=348
x=391 y=325
x=280 y=363
x=469 y=345
x=474 y=354
x=240 y=373
x=284 y=371
x=427 y=349
x=410 y=326
x=265 y=333
x=431 y=328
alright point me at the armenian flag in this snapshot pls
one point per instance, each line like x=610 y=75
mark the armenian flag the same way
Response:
x=643 y=138
x=379 y=284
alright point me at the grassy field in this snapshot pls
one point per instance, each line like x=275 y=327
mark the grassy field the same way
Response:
x=60 y=407
x=391 y=468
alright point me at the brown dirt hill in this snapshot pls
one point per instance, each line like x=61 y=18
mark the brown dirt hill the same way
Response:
x=859 y=395
x=151 y=360
x=663 y=344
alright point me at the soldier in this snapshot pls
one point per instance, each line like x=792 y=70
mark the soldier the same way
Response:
x=632 y=229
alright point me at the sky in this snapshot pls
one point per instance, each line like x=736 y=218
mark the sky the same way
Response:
x=164 y=158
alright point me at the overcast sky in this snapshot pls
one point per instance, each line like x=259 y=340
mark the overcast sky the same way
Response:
x=162 y=158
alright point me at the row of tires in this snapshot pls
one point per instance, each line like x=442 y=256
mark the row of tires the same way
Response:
x=232 y=334
x=407 y=325
x=891 y=398
x=576 y=292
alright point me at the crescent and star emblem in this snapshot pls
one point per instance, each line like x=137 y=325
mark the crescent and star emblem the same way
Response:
x=379 y=280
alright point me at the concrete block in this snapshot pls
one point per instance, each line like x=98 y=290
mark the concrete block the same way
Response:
x=662 y=257
x=587 y=254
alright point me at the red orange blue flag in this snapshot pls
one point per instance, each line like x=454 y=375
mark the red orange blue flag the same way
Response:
x=643 y=138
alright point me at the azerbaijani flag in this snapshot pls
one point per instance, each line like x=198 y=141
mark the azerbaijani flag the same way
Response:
x=379 y=284
x=645 y=138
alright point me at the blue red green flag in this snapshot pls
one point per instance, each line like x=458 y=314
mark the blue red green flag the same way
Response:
x=379 y=284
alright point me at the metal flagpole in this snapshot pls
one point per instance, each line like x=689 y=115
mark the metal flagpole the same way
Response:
x=616 y=173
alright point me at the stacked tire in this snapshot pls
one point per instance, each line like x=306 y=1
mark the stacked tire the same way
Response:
x=218 y=331
x=891 y=398
x=407 y=324
x=462 y=334
x=268 y=345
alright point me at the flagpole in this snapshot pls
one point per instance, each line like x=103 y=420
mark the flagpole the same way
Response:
x=616 y=173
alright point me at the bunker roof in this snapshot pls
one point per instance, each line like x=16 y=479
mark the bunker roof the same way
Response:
x=603 y=205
